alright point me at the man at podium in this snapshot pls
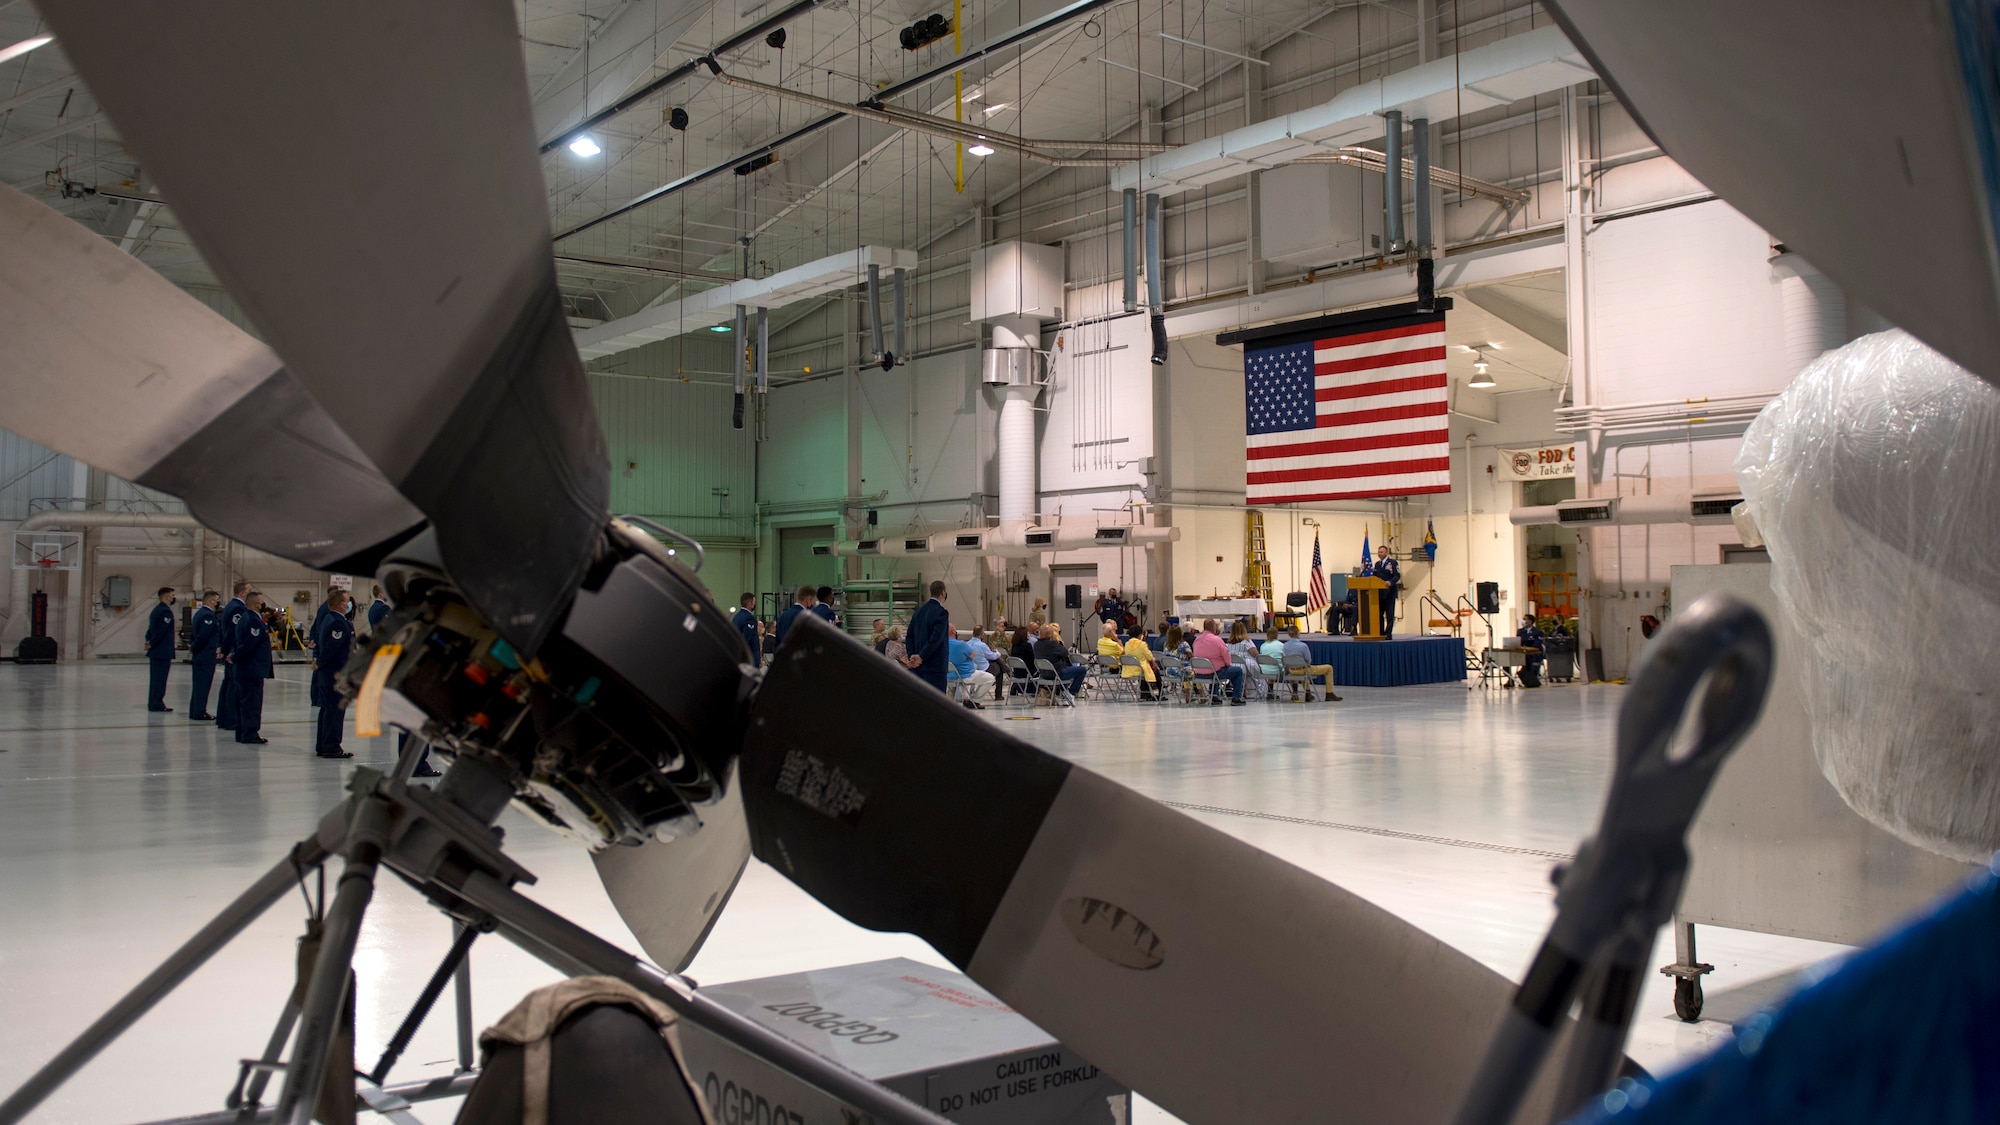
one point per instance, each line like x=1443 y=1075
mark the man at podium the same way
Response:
x=1390 y=571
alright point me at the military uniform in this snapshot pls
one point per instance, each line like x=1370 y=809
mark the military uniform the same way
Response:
x=205 y=639
x=251 y=665
x=333 y=640
x=746 y=627
x=1390 y=571
x=929 y=638
x=227 y=620
x=1531 y=639
x=159 y=654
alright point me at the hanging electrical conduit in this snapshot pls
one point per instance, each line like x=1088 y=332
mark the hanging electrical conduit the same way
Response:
x=946 y=128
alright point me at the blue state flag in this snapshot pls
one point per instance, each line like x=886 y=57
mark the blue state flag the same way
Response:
x=1430 y=540
x=1367 y=554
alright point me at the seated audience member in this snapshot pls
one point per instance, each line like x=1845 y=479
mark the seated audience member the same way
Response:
x=1531 y=638
x=893 y=646
x=1108 y=643
x=1051 y=648
x=975 y=679
x=1208 y=646
x=1272 y=651
x=1243 y=653
x=1039 y=614
x=1023 y=649
x=1148 y=670
x=767 y=637
x=1323 y=672
x=878 y=635
x=1176 y=642
x=984 y=658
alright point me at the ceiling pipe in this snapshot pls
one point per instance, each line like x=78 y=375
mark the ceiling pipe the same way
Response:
x=737 y=340
x=1392 y=182
x=1020 y=34
x=900 y=314
x=1368 y=159
x=1156 y=283
x=1131 y=249
x=741 y=39
x=875 y=314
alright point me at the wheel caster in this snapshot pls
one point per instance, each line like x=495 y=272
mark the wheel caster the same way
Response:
x=1687 y=998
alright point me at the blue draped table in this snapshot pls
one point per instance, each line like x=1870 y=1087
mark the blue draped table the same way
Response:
x=1392 y=663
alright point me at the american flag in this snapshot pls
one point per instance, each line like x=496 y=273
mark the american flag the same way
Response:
x=1348 y=417
x=1316 y=597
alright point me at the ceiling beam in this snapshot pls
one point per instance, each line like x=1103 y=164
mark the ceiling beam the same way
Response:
x=619 y=54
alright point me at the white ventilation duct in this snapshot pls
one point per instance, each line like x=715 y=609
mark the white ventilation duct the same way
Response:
x=1699 y=509
x=1815 y=311
x=1020 y=540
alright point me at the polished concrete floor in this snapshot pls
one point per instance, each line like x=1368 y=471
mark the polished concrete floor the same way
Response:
x=122 y=831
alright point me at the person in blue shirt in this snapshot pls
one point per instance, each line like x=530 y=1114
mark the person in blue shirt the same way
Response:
x=226 y=622
x=928 y=640
x=1390 y=571
x=745 y=621
x=983 y=657
x=250 y=660
x=965 y=668
x=333 y=640
x=205 y=641
x=807 y=599
x=377 y=609
x=823 y=605
x=160 y=649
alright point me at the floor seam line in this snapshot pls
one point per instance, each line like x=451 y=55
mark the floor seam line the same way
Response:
x=1479 y=845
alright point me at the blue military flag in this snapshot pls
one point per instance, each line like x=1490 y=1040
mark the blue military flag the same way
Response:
x=1430 y=540
x=1367 y=553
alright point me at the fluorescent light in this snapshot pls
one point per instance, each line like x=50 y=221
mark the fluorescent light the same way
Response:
x=584 y=146
x=981 y=150
x=8 y=54
x=718 y=328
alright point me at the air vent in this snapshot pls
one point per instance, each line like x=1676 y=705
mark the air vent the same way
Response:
x=1588 y=511
x=969 y=541
x=868 y=547
x=919 y=545
x=1712 y=507
x=821 y=550
x=1041 y=538
x=1111 y=536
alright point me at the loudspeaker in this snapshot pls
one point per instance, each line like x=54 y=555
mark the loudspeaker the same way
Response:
x=1072 y=596
x=1489 y=597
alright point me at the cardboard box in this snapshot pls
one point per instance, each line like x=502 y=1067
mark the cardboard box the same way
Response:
x=930 y=1034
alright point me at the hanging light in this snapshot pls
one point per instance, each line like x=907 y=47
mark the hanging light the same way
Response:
x=1480 y=379
x=584 y=146
x=981 y=149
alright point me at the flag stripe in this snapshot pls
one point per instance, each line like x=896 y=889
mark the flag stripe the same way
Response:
x=1354 y=416
x=1383 y=387
x=1258 y=453
x=1370 y=362
x=1341 y=472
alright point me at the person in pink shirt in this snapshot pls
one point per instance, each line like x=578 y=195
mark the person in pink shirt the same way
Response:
x=1208 y=645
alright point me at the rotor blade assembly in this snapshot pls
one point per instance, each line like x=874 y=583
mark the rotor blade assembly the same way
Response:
x=110 y=362
x=381 y=218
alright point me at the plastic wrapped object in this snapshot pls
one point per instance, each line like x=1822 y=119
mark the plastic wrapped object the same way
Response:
x=1906 y=1030
x=1875 y=481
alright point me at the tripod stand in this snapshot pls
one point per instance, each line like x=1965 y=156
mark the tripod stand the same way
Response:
x=443 y=843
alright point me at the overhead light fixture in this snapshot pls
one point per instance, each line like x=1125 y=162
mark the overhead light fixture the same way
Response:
x=1480 y=379
x=981 y=149
x=584 y=146
x=996 y=107
x=718 y=328
x=15 y=51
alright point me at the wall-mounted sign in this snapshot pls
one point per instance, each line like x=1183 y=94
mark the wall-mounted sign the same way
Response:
x=1538 y=464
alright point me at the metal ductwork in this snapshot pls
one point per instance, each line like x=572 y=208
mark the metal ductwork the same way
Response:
x=1392 y=182
x=1815 y=311
x=1156 y=282
x=1700 y=509
x=902 y=315
x=1131 y=249
x=878 y=353
x=1023 y=540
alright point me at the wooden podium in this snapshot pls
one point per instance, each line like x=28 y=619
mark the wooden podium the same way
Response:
x=1368 y=607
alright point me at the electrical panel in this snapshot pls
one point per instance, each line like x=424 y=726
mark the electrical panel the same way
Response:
x=118 y=592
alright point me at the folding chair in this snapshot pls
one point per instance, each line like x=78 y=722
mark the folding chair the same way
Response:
x=1018 y=676
x=1136 y=681
x=1047 y=680
x=1273 y=675
x=1204 y=677
x=1173 y=676
x=1295 y=673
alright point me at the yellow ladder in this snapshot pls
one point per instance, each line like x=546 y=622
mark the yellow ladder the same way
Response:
x=1256 y=560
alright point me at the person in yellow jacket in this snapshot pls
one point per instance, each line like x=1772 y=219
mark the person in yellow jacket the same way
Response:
x=1108 y=645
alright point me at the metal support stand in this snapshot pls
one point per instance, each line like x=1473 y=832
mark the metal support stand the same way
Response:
x=461 y=944
x=1687 y=973
x=442 y=843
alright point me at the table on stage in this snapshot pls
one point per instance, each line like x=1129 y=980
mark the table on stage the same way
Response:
x=1228 y=609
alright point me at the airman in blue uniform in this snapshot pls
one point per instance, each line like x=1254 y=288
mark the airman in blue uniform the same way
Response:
x=333 y=640
x=160 y=649
x=205 y=641
x=823 y=605
x=1531 y=640
x=377 y=609
x=250 y=661
x=1390 y=571
x=930 y=639
x=808 y=598
x=745 y=621
x=227 y=619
